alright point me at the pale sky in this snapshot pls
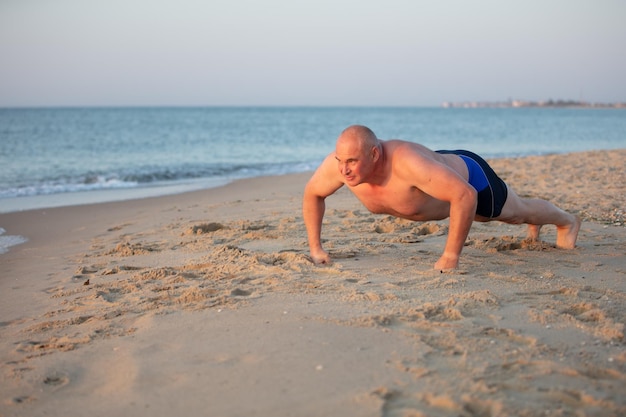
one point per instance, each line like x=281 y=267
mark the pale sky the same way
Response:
x=320 y=52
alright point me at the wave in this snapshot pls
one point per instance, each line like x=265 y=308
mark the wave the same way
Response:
x=6 y=241
x=151 y=176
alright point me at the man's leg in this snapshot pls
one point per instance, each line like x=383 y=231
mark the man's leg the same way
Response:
x=536 y=212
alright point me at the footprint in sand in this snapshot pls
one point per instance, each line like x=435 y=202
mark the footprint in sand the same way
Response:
x=119 y=227
x=56 y=379
x=343 y=253
x=238 y=292
x=497 y=244
x=21 y=400
x=205 y=228
x=430 y=229
x=132 y=249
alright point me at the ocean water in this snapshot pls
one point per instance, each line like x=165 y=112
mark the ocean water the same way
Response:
x=66 y=156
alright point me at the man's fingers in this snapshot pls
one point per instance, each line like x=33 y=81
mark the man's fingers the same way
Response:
x=322 y=261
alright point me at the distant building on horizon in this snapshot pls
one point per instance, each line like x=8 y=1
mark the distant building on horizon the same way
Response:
x=525 y=103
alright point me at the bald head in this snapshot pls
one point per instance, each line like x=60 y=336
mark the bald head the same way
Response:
x=358 y=136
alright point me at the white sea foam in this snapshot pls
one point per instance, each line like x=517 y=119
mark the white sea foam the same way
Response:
x=6 y=241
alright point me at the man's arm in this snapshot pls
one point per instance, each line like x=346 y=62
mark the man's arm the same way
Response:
x=445 y=184
x=462 y=213
x=324 y=182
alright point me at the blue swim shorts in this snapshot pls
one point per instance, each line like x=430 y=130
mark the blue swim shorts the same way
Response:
x=492 y=191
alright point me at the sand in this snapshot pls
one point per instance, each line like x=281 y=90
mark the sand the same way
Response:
x=206 y=304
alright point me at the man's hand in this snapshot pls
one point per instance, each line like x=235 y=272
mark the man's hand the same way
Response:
x=321 y=257
x=447 y=262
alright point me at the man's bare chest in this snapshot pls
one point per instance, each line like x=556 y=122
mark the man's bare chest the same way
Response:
x=404 y=201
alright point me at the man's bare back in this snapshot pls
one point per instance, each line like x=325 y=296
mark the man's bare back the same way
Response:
x=408 y=180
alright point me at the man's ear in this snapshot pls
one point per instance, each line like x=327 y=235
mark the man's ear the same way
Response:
x=375 y=153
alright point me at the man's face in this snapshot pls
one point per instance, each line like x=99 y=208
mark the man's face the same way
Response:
x=352 y=162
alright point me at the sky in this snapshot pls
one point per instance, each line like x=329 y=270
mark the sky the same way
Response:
x=309 y=53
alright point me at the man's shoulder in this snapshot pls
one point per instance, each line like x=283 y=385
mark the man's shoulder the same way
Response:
x=402 y=149
x=407 y=160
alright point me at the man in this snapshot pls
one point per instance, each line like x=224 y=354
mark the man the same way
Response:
x=410 y=181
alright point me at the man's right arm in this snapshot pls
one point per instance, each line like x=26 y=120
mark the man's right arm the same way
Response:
x=324 y=182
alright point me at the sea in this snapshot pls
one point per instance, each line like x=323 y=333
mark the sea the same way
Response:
x=51 y=157
x=65 y=156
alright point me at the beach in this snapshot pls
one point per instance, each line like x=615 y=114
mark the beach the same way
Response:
x=206 y=304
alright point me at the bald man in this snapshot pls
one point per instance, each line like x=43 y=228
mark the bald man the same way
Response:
x=410 y=181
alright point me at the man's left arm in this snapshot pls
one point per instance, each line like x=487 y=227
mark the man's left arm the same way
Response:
x=462 y=212
x=443 y=183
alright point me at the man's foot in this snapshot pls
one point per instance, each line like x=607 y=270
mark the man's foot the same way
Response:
x=566 y=235
x=533 y=232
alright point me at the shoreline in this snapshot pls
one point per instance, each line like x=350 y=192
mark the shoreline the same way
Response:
x=188 y=303
x=151 y=190
x=90 y=198
x=81 y=198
